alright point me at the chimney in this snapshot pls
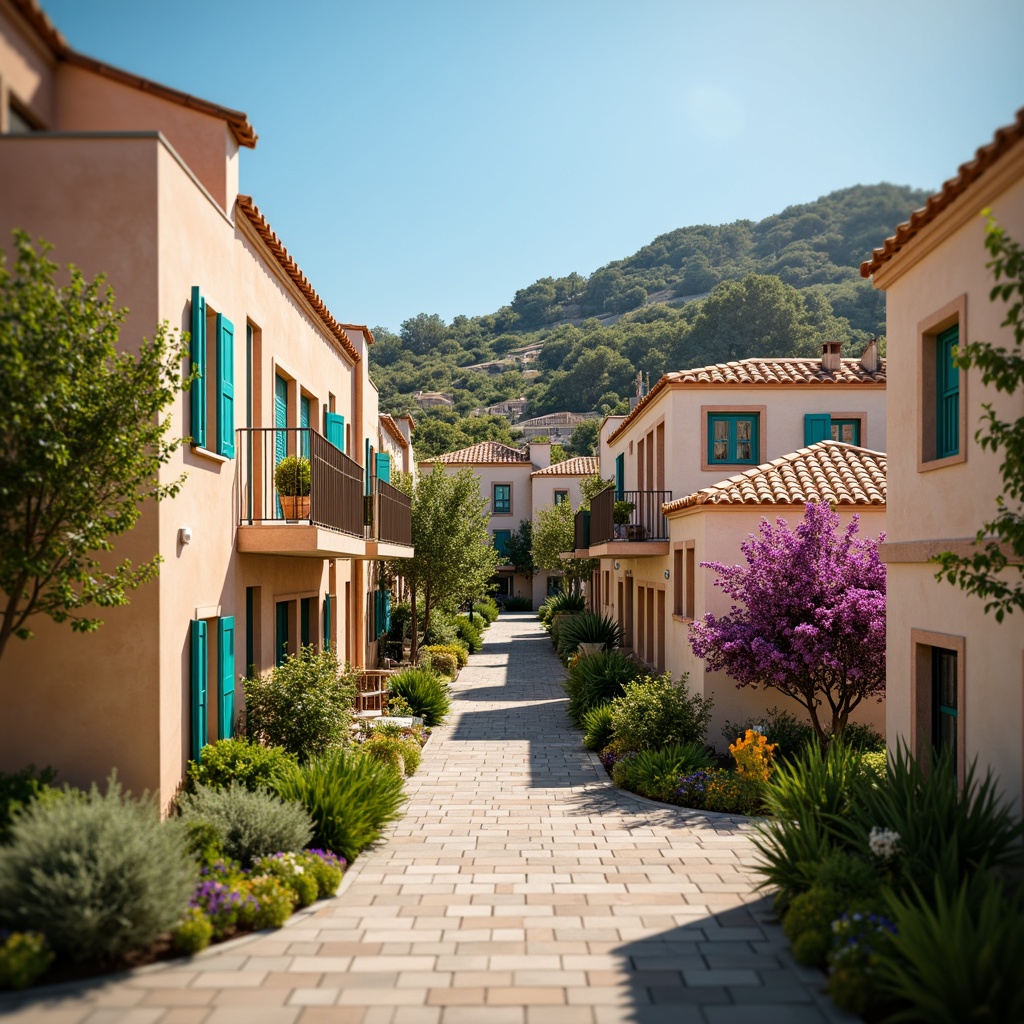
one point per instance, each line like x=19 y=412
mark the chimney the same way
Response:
x=540 y=454
x=830 y=358
x=869 y=358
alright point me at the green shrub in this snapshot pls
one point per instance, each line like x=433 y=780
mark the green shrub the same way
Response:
x=274 y=900
x=873 y=764
x=441 y=660
x=19 y=789
x=957 y=954
x=808 y=924
x=241 y=760
x=656 y=773
x=488 y=608
x=397 y=706
x=290 y=870
x=98 y=876
x=719 y=789
x=590 y=628
x=193 y=934
x=292 y=475
x=948 y=829
x=24 y=958
x=401 y=620
x=597 y=727
x=599 y=678
x=404 y=755
x=204 y=842
x=349 y=796
x=423 y=692
x=780 y=727
x=304 y=704
x=653 y=712
x=457 y=650
x=518 y=604
x=250 y=824
x=469 y=635
x=861 y=943
x=327 y=868
x=862 y=738
x=444 y=629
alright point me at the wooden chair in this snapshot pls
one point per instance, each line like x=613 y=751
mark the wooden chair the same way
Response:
x=371 y=691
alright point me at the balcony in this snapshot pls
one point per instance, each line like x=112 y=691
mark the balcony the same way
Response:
x=337 y=519
x=644 y=535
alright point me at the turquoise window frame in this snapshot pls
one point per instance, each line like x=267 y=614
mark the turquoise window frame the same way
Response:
x=732 y=440
x=836 y=430
x=501 y=542
x=945 y=703
x=501 y=506
x=947 y=394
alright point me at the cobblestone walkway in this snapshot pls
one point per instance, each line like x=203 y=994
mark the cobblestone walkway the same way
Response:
x=519 y=888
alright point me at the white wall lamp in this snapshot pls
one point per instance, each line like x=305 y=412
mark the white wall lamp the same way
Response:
x=185 y=535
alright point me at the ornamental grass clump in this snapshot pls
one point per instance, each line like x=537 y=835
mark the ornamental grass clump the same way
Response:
x=303 y=705
x=99 y=875
x=598 y=679
x=587 y=628
x=656 y=773
x=350 y=797
x=249 y=825
x=426 y=694
x=598 y=729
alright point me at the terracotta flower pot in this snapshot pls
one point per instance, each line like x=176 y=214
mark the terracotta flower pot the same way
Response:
x=295 y=506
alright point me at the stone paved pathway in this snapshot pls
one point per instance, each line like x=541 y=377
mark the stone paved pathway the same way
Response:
x=519 y=888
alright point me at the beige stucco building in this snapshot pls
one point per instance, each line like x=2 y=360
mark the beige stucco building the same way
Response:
x=694 y=429
x=140 y=182
x=955 y=674
x=517 y=483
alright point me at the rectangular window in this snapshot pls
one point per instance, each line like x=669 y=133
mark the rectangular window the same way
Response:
x=561 y=496
x=213 y=392
x=620 y=476
x=677 y=581
x=847 y=431
x=501 y=542
x=282 y=631
x=945 y=710
x=305 y=614
x=733 y=438
x=502 y=500
x=947 y=394
x=691 y=582
x=820 y=426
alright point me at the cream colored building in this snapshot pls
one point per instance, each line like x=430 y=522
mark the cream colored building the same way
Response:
x=709 y=526
x=955 y=674
x=140 y=182
x=517 y=482
x=691 y=431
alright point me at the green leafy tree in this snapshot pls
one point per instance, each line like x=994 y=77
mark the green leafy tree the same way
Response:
x=995 y=571
x=584 y=438
x=83 y=442
x=519 y=550
x=454 y=558
x=423 y=333
x=554 y=532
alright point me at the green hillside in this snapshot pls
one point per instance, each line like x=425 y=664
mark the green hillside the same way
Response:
x=696 y=295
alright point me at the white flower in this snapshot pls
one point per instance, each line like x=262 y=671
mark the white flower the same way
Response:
x=884 y=842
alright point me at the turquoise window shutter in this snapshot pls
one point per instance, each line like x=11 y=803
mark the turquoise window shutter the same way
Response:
x=327 y=622
x=817 y=427
x=384 y=467
x=200 y=660
x=947 y=420
x=620 y=476
x=226 y=683
x=334 y=425
x=225 y=387
x=198 y=353
x=304 y=422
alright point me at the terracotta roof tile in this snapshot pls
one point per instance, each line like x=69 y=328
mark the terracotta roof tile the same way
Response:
x=291 y=268
x=579 y=465
x=841 y=474
x=389 y=424
x=1005 y=139
x=484 y=452
x=40 y=22
x=761 y=373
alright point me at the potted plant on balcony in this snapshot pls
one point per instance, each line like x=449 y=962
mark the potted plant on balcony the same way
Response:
x=291 y=478
x=621 y=513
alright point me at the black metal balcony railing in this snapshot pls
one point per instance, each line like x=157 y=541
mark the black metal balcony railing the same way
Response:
x=337 y=483
x=646 y=521
x=393 y=515
x=581 y=530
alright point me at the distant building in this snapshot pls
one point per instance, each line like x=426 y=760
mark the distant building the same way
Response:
x=432 y=399
x=512 y=409
x=557 y=427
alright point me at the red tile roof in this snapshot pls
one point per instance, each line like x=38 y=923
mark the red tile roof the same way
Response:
x=1005 y=139
x=391 y=427
x=580 y=465
x=761 y=373
x=486 y=452
x=840 y=474
x=47 y=32
x=251 y=212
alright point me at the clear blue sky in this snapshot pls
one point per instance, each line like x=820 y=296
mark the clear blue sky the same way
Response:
x=436 y=155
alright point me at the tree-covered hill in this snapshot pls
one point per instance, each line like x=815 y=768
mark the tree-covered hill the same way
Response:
x=696 y=295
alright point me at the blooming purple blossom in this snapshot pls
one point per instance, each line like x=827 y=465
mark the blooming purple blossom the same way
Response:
x=810 y=617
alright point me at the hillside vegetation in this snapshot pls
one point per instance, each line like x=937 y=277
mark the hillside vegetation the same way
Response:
x=696 y=295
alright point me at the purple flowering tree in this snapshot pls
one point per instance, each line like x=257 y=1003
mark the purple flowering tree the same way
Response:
x=809 y=620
